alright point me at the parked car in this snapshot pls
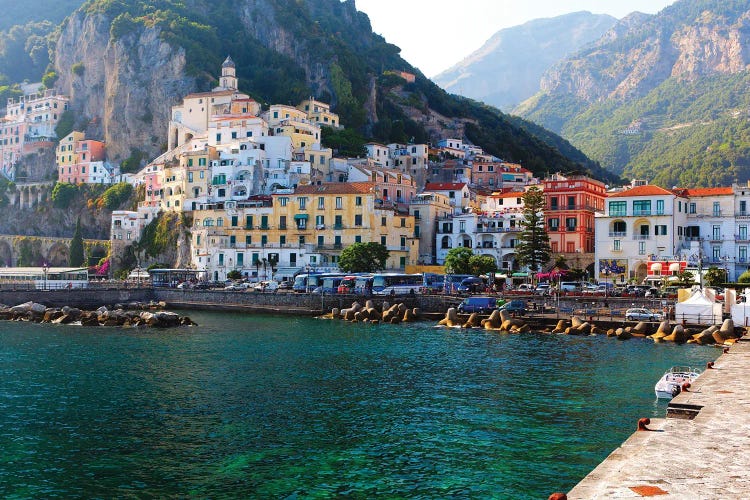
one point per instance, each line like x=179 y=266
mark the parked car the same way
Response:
x=515 y=306
x=285 y=285
x=478 y=305
x=642 y=314
x=652 y=293
x=592 y=290
x=542 y=289
x=266 y=286
x=526 y=287
x=471 y=285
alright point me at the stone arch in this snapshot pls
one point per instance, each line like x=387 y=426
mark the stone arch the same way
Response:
x=58 y=255
x=641 y=270
x=6 y=254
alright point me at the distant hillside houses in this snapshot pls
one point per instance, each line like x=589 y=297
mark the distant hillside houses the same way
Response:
x=28 y=126
x=266 y=199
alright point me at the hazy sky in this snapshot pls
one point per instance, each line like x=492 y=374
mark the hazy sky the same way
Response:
x=436 y=34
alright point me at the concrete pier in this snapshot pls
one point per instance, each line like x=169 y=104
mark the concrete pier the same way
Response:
x=701 y=450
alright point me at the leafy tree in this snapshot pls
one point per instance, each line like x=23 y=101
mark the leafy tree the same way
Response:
x=77 y=257
x=715 y=276
x=533 y=248
x=686 y=278
x=66 y=124
x=458 y=260
x=363 y=257
x=744 y=277
x=116 y=195
x=234 y=275
x=63 y=194
x=344 y=142
x=482 y=264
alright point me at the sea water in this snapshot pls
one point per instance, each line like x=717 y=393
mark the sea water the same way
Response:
x=279 y=407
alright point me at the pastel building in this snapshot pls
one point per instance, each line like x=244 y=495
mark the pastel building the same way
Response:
x=639 y=225
x=428 y=210
x=82 y=161
x=29 y=124
x=571 y=205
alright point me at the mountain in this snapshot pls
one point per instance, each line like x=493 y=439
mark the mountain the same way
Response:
x=662 y=97
x=125 y=63
x=506 y=70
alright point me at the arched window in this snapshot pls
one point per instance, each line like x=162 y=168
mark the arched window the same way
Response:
x=446 y=243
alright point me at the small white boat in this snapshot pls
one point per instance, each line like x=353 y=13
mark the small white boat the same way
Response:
x=671 y=382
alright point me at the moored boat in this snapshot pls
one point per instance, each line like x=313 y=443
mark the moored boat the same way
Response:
x=670 y=384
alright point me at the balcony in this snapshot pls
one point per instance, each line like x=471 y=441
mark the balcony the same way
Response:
x=617 y=234
x=641 y=212
x=641 y=237
x=612 y=249
x=741 y=237
x=338 y=226
x=742 y=213
x=586 y=208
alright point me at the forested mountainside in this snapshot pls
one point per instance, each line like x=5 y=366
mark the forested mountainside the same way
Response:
x=125 y=63
x=660 y=97
x=508 y=67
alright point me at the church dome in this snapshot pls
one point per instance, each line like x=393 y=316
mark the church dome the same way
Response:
x=228 y=63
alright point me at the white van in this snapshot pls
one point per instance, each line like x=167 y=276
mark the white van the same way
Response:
x=570 y=286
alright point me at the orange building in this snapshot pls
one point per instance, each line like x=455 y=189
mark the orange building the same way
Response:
x=571 y=203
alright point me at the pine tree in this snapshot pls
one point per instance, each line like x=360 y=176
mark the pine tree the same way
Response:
x=76 y=247
x=532 y=249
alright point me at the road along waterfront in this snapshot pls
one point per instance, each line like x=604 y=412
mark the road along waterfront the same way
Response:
x=260 y=406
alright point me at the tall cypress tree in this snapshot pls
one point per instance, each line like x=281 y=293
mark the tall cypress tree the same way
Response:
x=76 y=247
x=533 y=248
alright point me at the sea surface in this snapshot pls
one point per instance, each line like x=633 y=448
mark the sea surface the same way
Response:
x=246 y=406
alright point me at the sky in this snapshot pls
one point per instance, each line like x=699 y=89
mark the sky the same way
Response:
x=435 y=34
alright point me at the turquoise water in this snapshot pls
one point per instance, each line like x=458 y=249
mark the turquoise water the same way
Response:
x=267 y=407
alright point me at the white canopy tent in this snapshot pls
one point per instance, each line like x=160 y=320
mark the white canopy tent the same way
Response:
x=699 y=310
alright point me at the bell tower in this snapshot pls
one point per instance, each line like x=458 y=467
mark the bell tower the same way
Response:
x=228 y=80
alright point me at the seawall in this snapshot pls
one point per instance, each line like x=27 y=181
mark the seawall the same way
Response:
x=701 y=450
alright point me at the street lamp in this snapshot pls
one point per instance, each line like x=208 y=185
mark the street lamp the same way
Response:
x=45 y=270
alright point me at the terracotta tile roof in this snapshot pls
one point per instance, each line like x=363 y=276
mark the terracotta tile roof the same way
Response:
x=716 y=191
x=444 y=186
x=206 y=94
x=337 y=188
x=509 y=194
x=648 y=190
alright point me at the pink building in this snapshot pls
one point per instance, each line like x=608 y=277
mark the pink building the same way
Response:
x=81 y=161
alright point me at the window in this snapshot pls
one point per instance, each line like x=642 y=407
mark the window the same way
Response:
x=571 y=223
x=716 y=233
x=321 y=240
x=190 y=177
x=263 y=240
x=717 y=209
x=358 y=239
x=383 y=240
x=321 y=202
x=282 y=222
x=716 y=254
x=248 y=240
x=339 y=203
x=403 y=222
x=220 y=222
x=743 y=207
x=358 y=220
x=691 y=208
x=319 y=221
x=571 y=202
x=301 y=240
x=642 y=207
x=659 y=207
x=264 y=222
x=743 y=233
x=641 y=248
x=402 y=241
x=201 y=162
x=618 y=208
x=302 y=202
x=616 y=246
x=283 y=201
x=619 y=228
x=282 y=240
x=382 y=221
x=554 y=224
x=248 y=221
x=218 y=137
x=742 y=254
x=234 y=221
x=358 y=201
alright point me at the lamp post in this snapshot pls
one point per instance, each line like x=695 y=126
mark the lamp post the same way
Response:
x=45 y=270
x=606 y=281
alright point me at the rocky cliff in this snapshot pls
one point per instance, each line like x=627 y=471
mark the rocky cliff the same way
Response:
x=127 y=85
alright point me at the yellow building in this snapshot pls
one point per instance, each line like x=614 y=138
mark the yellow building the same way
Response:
x=319 y=113
x=66 y=153
x=187 y=179
x=304 y=228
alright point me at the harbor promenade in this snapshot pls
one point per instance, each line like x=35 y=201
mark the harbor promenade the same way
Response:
x=701 y=450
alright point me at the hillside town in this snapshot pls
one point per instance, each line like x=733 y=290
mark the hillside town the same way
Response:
x=267 y=200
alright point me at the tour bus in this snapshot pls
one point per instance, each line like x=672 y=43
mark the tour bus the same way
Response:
x=433 y=283
x=330 y=283
x=349 y=283
x=304 y=282
x=363 y=285
x=397 y=284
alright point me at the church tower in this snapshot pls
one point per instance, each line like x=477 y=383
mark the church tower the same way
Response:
x=228 y=80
